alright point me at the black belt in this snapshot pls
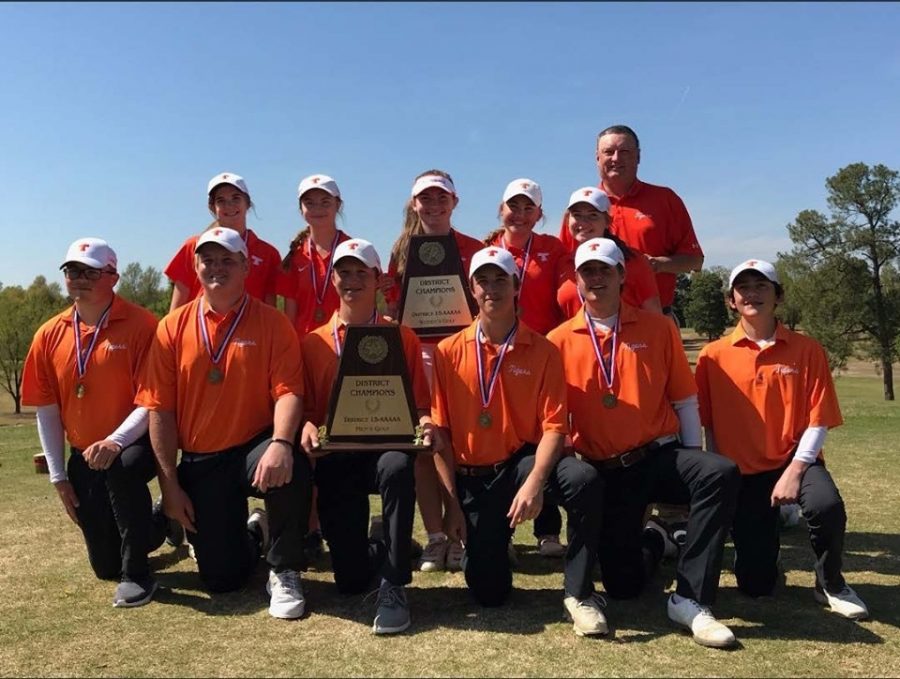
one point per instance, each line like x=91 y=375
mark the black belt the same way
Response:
x=629 y=458
x=480 y=469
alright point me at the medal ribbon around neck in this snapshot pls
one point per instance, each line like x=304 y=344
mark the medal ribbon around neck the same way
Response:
x=82 y=358
x=338 y=345
x=310 y=247
x=521 y=269
x=608 y=373
x=216 y=356
x=487 y=391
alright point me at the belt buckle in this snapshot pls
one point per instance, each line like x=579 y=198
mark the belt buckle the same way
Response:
x=625 y=457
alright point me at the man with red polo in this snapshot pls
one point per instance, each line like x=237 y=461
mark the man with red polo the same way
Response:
x=649 y=218
x=224 y=383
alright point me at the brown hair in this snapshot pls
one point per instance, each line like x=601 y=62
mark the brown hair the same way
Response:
x=211 y=202
x=412 y=226
x=303 y=234
x=496 y=232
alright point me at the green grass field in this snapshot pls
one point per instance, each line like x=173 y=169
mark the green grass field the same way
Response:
x=56 y=619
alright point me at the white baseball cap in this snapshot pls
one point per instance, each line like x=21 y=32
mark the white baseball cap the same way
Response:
x=229 y=239
x=92 y=252
x=497 y=257
x=359 y=249
x=524 y=187
x=599 y=250
x=763 y=267
x=430 y=180
x=591 y=195
x=318 y=181
x=227 y=178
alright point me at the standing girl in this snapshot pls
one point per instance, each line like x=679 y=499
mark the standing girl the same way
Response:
x=228 y=201
x=305 y=279
x=428 y=211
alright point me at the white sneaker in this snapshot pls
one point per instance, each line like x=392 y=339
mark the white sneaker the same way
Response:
x=586 y=614
x=845 y=603
x=699 y=619
x=286 y=595
x=434 y=556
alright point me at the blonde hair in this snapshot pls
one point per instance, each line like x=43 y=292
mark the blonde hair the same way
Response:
x=303 y=234
x=412 y=226
x=211 y=203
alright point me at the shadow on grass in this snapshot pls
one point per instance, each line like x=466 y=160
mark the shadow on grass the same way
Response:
x=867 y=552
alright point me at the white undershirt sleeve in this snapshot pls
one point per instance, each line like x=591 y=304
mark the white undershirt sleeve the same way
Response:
x=688 y=411
x=53 y=441
x=811 y=444
x=132 y=428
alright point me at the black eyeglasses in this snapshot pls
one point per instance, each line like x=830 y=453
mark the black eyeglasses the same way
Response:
x=73 y=273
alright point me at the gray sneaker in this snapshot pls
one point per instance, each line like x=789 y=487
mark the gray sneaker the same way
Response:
x=393 y=610
x=132 y=593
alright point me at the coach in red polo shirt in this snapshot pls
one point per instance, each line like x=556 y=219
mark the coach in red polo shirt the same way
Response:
x=651 y=219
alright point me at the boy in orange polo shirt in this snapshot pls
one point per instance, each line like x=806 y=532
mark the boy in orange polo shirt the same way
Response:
x=344 y=479
x=81 y=373
x=633 y=403
x=224 y=383
x=767 y=401
x=499 y=395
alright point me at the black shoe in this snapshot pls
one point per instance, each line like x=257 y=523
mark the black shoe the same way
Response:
x=313 y=545
x=174 y=530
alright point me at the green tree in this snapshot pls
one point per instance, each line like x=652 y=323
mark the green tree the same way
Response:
x=706 y=312
x=791 y=273
x=682 y=290
x=144 y=287
x=21 y=313
x=856 y=247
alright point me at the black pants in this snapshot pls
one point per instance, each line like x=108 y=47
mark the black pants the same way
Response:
x=114 y=508
x=549 y=521
x=485 y=501
x=218 y=485
x=344 y=481
x=756 y=535
x=707 y=482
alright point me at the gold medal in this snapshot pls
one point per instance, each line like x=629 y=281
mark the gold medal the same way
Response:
x=485 y=420
x=79 y=390
x=610 y=401
x=214 y=376
x=319 y=314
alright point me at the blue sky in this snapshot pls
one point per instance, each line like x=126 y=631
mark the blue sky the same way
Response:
x=115 y=116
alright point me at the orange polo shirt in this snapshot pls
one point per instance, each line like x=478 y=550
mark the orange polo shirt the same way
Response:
x=652 y=370
x=640 y=285
x=758 y=402
x=320 y=364
x=260 y=365
x=110 y=381
x=467 y=247
x=265 y=262
x=549 y=266
x=296 y=283
x=529 y=397
x=652 y=219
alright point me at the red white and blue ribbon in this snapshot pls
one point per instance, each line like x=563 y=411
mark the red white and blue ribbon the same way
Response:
x=338 y=345
x=83 y=357
x=310 y=247
x=216 y=356
x=521 y=269
x=487 y=390
x=608 y=372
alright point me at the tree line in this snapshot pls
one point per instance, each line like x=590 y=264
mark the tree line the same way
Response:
x=841 y=280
